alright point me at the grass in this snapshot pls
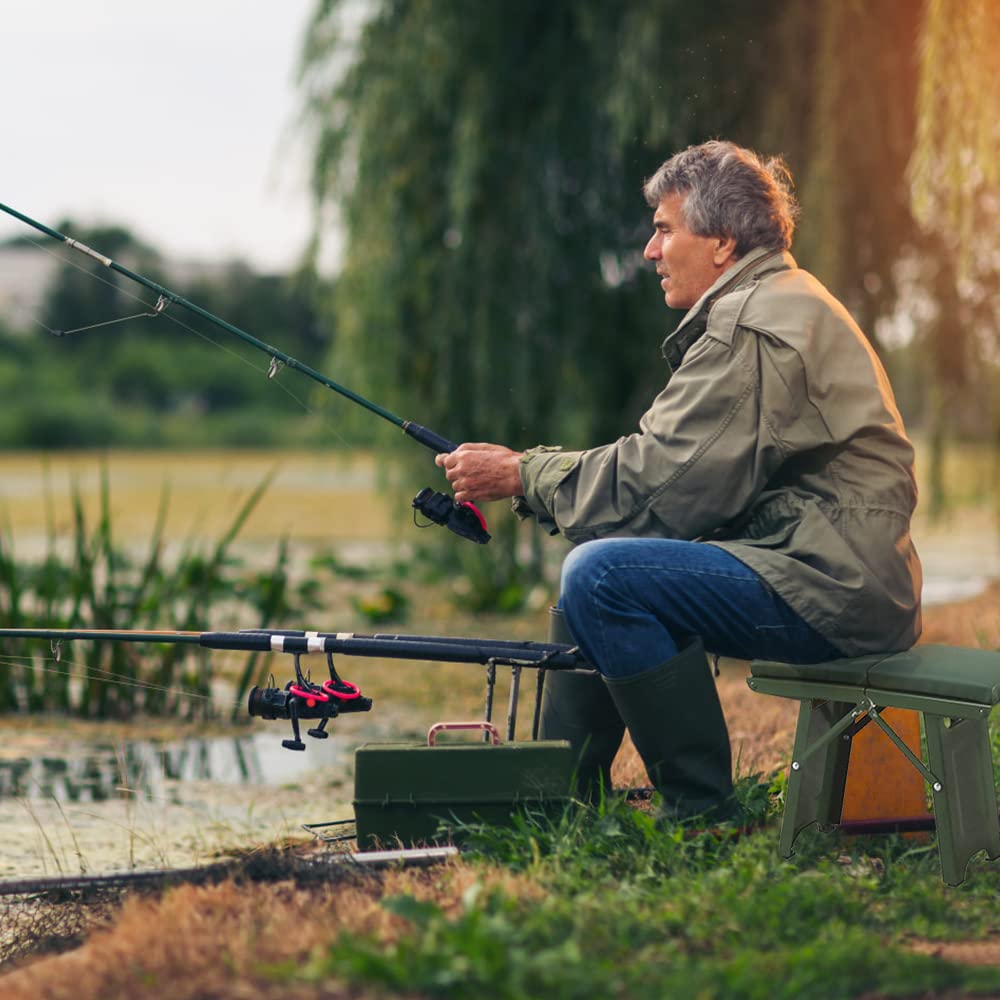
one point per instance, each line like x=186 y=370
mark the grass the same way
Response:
x=98 y=584
x=626 y=909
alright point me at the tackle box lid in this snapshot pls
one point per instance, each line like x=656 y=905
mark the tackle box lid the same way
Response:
x=385 y=773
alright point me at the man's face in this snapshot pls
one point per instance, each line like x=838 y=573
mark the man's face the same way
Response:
x=687 y=264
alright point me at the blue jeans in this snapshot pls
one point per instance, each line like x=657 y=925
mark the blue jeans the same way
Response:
x=632 y=602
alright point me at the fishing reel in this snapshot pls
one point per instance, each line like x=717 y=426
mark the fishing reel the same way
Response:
x=464 y=519
x=302 y=699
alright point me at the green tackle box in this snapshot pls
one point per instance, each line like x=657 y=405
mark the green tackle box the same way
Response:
x=404 y=792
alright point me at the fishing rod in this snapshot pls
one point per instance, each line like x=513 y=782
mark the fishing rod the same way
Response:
x=445 y=649
x=301 y=698
x=464 y=519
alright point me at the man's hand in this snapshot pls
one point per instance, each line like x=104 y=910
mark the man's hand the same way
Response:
x=479 y=471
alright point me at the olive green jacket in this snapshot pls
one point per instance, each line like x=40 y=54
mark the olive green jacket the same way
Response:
x=776 y=438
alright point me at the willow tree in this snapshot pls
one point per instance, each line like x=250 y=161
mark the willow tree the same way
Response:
x=486 y=159
x=956 y=156
x=955 y=169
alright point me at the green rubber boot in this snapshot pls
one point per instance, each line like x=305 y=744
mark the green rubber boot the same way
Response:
x=674 y=717
x=577 y=706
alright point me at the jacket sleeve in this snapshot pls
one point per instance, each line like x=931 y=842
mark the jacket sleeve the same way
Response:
x=704 y=451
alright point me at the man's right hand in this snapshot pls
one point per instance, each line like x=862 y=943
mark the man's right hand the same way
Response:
x=478 y=471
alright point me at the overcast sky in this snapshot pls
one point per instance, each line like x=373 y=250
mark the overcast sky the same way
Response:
x=175 y=119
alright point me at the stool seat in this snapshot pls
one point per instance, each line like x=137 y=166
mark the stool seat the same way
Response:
x=949 y=672
x=941 y=672
x=851 y=671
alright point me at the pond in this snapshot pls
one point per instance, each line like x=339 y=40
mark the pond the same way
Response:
x=315 y=498
x=156 y=770
x=74 y=797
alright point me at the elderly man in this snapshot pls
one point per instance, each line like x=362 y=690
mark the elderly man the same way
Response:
x=762 y=509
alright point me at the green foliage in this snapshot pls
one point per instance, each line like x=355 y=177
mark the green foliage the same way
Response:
x=568 y=948
x=387 y=604
x=487 y=170
x=328 y=561
x=162 y=380
x=848 y=133
x=582 y=843
x=97 y=584
x=955 y=160
x=625 y=907
x=489 y=189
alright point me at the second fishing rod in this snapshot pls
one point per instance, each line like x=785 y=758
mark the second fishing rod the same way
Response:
x=464 y=519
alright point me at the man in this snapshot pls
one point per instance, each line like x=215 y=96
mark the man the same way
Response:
x=762 y=509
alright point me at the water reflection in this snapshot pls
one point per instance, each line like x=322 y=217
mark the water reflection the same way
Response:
x=155 y=769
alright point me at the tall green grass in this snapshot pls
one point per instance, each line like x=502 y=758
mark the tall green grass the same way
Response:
x=89 y=581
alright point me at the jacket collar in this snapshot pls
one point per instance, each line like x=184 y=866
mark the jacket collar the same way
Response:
x=748 y=269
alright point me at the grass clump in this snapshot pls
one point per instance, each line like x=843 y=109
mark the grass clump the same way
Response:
x=582 y=947
x=89 y=581
x=627 y=907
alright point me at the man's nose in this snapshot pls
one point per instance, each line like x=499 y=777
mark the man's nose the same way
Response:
x=652 y=251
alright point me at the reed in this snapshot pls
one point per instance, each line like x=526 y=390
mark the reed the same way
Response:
x=89 y=581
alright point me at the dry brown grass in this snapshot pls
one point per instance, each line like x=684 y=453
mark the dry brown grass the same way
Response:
x=972 y=622
x=315 y=496
x=219 y=941
x=963 y=952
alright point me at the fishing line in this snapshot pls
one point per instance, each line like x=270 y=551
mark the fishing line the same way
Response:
x=119 y=680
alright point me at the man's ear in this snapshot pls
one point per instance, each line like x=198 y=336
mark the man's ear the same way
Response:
x=725 y=252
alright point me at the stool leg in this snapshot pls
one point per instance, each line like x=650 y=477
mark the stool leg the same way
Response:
x=965 y=810
x=816 y=786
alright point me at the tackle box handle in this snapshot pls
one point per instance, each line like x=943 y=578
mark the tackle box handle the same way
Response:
x=479 y=726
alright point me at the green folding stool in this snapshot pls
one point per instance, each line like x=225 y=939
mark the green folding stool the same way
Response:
x=953 y=689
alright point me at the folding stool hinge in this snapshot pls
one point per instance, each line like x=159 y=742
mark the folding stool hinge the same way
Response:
x=928 y=776
x=832 y=733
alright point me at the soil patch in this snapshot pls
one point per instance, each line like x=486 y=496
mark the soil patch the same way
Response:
x=965 y=952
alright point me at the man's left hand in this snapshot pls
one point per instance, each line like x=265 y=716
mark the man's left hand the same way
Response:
x=479 y=471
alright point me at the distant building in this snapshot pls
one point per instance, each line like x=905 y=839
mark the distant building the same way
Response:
x=26 y=272
x=25 y=275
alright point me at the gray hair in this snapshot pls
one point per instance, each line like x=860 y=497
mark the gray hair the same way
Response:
x=730 y=191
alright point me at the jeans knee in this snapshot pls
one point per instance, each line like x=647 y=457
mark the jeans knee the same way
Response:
x=580 y=570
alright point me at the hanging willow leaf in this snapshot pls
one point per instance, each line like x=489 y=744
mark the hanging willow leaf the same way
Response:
x=956 y=157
